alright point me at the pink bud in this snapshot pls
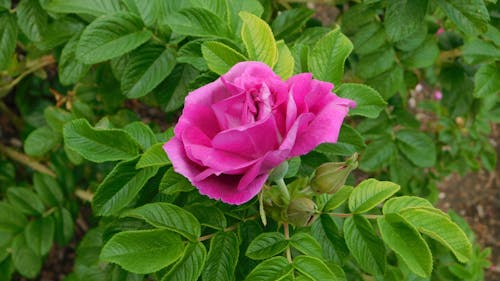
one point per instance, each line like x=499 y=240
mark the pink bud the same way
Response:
x=440 y=31
x=438 y=95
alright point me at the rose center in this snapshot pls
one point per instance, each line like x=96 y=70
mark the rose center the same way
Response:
x=258 y=104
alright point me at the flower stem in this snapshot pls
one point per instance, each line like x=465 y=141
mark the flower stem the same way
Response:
x=287 y=237
x=26 y=160
x=284 y=190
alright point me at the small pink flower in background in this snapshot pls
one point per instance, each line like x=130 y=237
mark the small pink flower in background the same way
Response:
x=440 y=31
x=233 y=131
x=438 y=95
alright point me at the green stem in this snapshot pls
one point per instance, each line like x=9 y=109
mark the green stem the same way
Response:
x=286 y=230
x=26 y=160
x=284 y=189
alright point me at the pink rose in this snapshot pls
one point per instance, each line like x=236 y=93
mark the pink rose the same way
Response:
x=233 y=131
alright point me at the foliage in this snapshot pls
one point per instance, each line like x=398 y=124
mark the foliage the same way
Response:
x=90 y=64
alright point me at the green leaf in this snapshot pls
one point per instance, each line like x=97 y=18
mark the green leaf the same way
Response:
x=377 y=155
x=285 y=64
x=173 y=183
x=470 y=16
x=111 y=36
x=71 y=70
x=56 y=118
x=64 y=226
x=99 y=145
x=222 y=257
x=188 y=268
x=369 y=193
x=150 y=11
x=8 y=39
x=120 y=187
x=314 y=268
x=48 y=189
x=12 y=219
x=251 y=6
x=349 y=141
x=326 y=60
x=487 y=81
x=266 y=245
x=175 y=88
x=306 y=244
x=384 y=60
x=369 y=39
x=41 y=141
x=290 y=21
x=168 y=216
x=220 y=57
x=270 y=270
x=198 y=22
x=365 y=246
x=405 y=240
x=59 y=32
x=402 y=18
x=5 y=4
x=338 y=198
x=25 y=200
x=389 y=82
x=369 y=103
x=142 y=133
x=398 y=204
x=326 y=232
x=88 y=7
x=417 y=147
x=423 y=56
x=39 y=235
x=439 y=226
x=478 y=51
x=154 y=156
x=31 y=19
x=218 y=7
x=143 y=251
x=147 y=67
x=258 y=39
x=27 y=262
x=208 y=215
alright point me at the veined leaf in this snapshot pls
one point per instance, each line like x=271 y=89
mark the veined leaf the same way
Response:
x=111 y=36
x=377 y=155
x=41 y=141
x=198 y=22
x=258 y=39
x=405 y=240
x=169 y=216
x=208 y=215
x=154 y=156
x=369 y=103
x=90 y=7
x=315 y=269
x=365 y=246
x=173 y=183
x=470 y=16
x=147 y=67
x=266 y=245
x=439 y=226
x=70 y=69
x=190 y=266
x=27 y=262
x=99 y=145
x=25 y=200
x=64 y=226
x=285 y=65
x=142 y=133
x=8 y=38
x=143 y=251
x=417 y=147
x=349 y=141
x=270 y=270
x=338 y=198
x=39 y=235
x=220 y=57
x=11 y=219
x=306 y=244
x=403 y=17
x=221 y=260
x=487 y=81
x=120 y=187
x=290 y=21
x=326 y=232
x=369 y=193
x=326 y=60
x=31 y=18
x=48 y=189
x=400 y=203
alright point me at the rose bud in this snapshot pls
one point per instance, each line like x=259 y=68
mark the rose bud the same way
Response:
x=301 y=211
x=330 y=177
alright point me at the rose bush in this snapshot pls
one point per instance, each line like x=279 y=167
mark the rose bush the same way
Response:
x=233 y=131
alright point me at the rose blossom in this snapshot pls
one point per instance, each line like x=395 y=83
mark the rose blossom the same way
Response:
x=233 y=131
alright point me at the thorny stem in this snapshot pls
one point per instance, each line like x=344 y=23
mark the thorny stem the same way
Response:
x=342 y=215
x=287 y=237
x=227 y=229
x=26 y=160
